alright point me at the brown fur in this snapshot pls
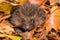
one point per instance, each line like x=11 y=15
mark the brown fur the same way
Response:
x=27 y=16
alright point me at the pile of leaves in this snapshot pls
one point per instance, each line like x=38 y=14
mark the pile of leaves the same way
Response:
x=51 y=27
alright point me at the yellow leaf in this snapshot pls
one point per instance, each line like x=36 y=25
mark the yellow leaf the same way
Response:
x=11 y=36
x=5 y=7
x=22 y=1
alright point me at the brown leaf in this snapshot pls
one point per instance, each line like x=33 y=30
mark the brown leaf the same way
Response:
x=6 y=27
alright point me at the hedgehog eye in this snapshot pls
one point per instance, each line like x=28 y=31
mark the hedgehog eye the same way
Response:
x=23 y=21
x=32 y=21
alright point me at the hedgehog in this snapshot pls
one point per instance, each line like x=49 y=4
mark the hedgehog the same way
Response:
x=27 y=16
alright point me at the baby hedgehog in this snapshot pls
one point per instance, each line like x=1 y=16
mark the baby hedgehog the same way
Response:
x=27 y=16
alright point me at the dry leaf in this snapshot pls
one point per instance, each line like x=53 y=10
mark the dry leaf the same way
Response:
x=6 y=27
x=53 y=2
x=5 y=7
